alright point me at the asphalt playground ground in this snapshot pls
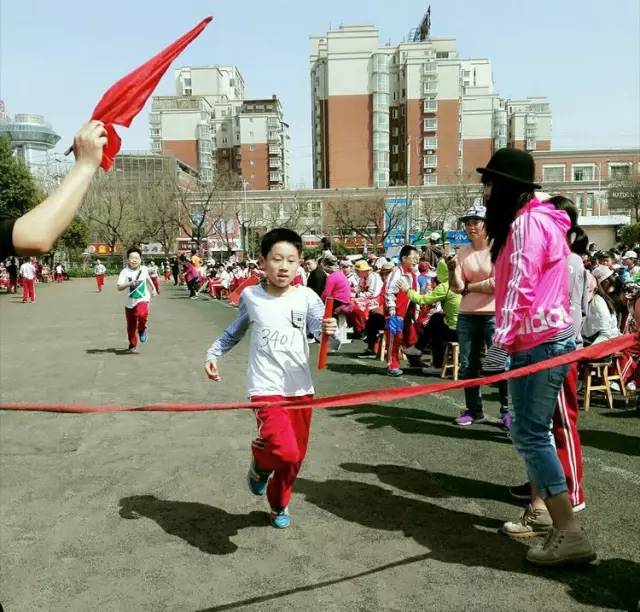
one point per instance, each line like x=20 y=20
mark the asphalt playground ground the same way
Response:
x=396 y=508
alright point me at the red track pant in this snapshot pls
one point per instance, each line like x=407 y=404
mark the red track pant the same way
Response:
x=406 y=338
x=100 y=281
x=156 y=283
x=281 y=445
x=136 y=321
x=28 y=289
x=567 y=439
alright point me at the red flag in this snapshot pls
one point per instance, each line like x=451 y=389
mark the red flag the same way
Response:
x=125 y=99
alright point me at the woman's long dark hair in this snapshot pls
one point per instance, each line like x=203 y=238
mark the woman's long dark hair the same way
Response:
x=578 y=239
x=506 y=199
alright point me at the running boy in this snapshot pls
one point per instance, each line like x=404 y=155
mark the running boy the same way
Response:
x=100 y=270
x=279 y=315
x=136 y=281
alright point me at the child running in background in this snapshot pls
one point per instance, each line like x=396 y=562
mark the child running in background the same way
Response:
x=279 y=315
x=136 y=281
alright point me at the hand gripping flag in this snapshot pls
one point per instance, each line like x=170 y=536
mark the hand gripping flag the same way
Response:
x=125 y=99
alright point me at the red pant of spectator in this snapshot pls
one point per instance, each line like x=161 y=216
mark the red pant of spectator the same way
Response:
x=136 y=321
x=156 y=283
x=565 y=433
x=28 y=289
x=408 y=337
x=167 y=275
x=58 y=277
x=100 y=281
x=281 y=445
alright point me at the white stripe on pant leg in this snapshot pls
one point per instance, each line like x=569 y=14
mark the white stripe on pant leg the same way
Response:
x=566 y=429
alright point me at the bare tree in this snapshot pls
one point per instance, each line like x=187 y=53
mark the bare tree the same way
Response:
x=201 y=213
x=373 y=218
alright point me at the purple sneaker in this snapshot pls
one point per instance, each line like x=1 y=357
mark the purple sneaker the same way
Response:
x=469 y=418
x=506 y=421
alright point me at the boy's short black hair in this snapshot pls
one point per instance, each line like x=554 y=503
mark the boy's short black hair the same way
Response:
x=280 y=234
x=134 y=249
x=406 y=250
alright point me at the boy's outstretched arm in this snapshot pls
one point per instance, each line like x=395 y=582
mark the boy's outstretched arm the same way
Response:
x=224 y=343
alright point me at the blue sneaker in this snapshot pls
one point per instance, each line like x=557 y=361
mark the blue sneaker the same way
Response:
x=280 y=519
x=395 y=372
x=257 y=479
x=143 y=335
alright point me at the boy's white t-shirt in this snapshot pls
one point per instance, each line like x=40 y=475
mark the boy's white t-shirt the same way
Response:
x=27 y=271
x=100 y=268
x=278 y=352
x=141 y=291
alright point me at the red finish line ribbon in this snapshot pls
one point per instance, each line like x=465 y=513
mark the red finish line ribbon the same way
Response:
x=347 y=400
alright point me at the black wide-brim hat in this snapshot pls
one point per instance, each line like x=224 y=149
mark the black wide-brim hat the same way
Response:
x=513 y=165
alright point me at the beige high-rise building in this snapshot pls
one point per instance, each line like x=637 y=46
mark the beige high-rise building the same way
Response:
x=210 y=126
x=382 y=113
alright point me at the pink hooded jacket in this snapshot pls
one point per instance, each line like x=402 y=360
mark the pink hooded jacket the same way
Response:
x=532 y=281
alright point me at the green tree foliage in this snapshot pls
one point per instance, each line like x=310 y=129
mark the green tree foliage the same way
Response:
x=76 y=237
x=18 y=190
x=630 y=235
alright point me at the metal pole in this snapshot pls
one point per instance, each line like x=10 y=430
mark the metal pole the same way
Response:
x=243 y=213
x=406 y=206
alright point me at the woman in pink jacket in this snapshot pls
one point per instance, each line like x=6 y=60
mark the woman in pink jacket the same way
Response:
x=529 y=250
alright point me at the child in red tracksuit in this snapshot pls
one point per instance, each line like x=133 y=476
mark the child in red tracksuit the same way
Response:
x=280 y=315
x=400 y=325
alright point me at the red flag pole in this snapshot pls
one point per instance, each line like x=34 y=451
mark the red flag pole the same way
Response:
x=324 y=342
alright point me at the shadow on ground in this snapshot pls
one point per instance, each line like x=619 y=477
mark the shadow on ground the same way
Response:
x=416 y=421
x=206 y=527
x=115 y=351
x=449 y=536
x=433 y=484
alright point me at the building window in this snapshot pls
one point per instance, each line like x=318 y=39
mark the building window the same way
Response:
x=582 y=172
x=394 y=113
x=394 y=149
x=155 y=131
x=619 y=171
x=578 y=198
x=250 y=133
x=430 y=143
x=252 y=162
x=187 y=91
x=429 y=179
x=274 y=177
x=430 y=105
x=430 y=161
x=430 y=124
x=251 y=148
x=225 y=140
x=552 y=174
x=589 y=204
x=442 y=54
x=395 y=132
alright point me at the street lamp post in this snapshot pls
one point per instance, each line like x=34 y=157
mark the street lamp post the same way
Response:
x=243 y=213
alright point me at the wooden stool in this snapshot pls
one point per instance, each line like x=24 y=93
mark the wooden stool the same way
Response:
x=599 y=370
x=451 y=361
x=382 y=345
x=617 y=373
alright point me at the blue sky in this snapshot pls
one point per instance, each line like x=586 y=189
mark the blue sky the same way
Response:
x=57 y=58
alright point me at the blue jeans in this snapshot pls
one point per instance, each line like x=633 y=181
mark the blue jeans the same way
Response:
x=474 y=333
x=534 y=402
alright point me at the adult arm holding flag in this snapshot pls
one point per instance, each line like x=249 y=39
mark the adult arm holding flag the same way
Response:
x=35 y=232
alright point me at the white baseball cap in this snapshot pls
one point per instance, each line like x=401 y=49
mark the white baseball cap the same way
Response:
x=630 y=255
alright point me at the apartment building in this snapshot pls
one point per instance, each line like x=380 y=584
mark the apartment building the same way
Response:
x=416 y=111
x=209 y=125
